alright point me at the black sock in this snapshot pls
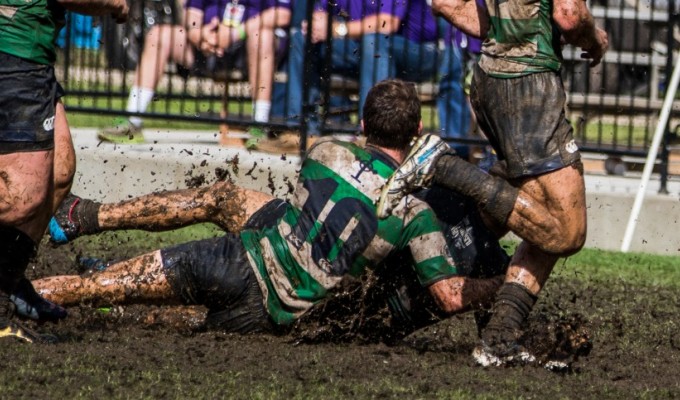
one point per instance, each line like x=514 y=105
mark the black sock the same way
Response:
x=494 y=195
x=16 y=251
x=87 y=214
x=512 y=307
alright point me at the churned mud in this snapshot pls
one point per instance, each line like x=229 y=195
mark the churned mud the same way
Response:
x=621 y=342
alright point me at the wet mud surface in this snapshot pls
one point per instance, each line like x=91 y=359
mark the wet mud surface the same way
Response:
x=622 y=341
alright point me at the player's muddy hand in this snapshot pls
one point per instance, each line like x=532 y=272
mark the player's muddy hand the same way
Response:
x=597 y=51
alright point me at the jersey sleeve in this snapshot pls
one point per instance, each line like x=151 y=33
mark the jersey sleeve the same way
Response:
x=431 y=256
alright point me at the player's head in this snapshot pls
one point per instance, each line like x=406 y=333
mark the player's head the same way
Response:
x=392 y=114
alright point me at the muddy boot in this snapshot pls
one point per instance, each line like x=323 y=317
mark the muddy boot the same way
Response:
x=29 y=304
x=16 y=250
x=10 y=327
x=500 y=339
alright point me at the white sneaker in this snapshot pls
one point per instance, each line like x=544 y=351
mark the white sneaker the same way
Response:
x=415 y=172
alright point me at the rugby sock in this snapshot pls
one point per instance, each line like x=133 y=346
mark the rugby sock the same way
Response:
x=87 y=214
x=512 y=307
x=138 y=101
x=261 y=110
x=16 y=252
x=494 y=195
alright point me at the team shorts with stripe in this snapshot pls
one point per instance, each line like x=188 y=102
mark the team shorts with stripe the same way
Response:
x=524 y=119
x=28 y=95
x=216 y=273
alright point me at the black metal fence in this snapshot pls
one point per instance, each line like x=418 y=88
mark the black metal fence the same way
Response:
x=614 y=107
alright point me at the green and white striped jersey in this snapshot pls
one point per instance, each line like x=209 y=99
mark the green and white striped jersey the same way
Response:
x=28 y=29
x=522 y=39
x=330 y=229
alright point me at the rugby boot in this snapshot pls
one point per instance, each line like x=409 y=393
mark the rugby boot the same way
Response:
x=64 y=226
x=29 y=304
x=123 y=132
x=415 y=172
x=10 y=327
x=502 y=354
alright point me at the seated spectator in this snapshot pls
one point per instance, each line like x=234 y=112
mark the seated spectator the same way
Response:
x=355 y=24
x=375 y=41
x=210 y=26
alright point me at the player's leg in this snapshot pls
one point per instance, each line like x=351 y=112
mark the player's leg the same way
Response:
x=29 y=93
x=162 y=44
x=548 y=211
x=140 y=278
x=64 y=156
x=27 y=302
x=211 y=272
x=223 y=203
x=260 y=49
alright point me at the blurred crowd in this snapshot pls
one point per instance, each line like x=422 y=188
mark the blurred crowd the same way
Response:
x=359 y=41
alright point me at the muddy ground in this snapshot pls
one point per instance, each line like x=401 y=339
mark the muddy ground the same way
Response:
x=138 y=352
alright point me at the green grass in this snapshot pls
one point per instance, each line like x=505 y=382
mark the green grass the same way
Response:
x=609 y=133
x=604 y=266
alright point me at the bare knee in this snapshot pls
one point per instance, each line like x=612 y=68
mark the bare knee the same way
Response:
x=566 y=240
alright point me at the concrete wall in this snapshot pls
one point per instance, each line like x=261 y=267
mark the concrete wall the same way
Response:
x=112 y=173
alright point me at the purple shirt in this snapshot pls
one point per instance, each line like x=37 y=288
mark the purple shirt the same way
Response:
x=216 y=8
x=419 y=25
x=355 y=10
x=417 y=22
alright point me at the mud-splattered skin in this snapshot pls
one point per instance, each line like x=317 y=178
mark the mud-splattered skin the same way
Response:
x=139 y=278
x=222 y=203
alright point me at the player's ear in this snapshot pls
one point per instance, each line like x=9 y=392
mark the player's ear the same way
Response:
x=362 y=126
x=420 y=128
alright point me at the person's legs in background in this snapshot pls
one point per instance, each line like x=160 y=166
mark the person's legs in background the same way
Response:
x=162 y=44
x=452 y=105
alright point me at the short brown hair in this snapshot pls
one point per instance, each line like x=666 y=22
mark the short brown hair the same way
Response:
x=391 y=114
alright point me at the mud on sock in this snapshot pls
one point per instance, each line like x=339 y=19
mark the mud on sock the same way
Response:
x=513 y=304
x=495 y=196
x=16 y=251
x=87 y=214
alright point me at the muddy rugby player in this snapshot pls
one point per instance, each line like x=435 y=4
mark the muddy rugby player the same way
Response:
x=537 y=189
x=37 y=159
x=293 y=253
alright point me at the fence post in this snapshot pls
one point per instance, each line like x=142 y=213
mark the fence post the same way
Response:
x=651 y=156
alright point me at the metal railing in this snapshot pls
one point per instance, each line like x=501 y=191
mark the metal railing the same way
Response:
x=614 y=107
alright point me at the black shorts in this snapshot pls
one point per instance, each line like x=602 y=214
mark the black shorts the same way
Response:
x=28 y=95
x=525 y=122
x=216 y=273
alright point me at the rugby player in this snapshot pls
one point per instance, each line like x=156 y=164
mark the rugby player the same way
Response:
x=537 y=189
x=37 y=159
x=268 y=275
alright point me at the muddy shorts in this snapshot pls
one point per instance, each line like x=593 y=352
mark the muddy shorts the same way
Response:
x=28 y=94
x=216 y=273
x=525 y=122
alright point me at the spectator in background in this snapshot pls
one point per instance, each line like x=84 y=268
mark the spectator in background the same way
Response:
x=373 y=41
x=210 y=26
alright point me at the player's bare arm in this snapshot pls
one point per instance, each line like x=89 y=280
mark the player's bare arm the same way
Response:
x=466 y=15
x=577 y=26
x=118 y=9
x=458 y=294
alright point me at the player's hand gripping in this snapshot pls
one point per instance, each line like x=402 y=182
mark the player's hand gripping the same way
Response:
x=596 y=52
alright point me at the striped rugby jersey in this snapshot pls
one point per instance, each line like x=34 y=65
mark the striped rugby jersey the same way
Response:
x=522 y=39
x=330 y=229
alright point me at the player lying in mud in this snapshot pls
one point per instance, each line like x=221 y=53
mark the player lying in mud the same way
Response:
x=327 y=230
x=290 y=256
